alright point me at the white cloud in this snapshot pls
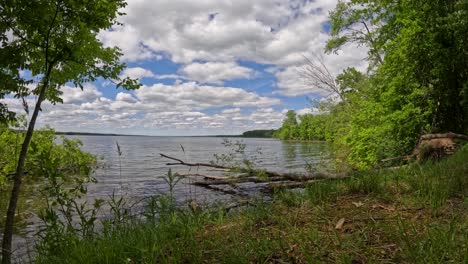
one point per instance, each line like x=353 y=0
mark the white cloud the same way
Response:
x=137 y=73
x=215 y=72
x=127 y=39
x=72 y=95
x=219 y=32
x=304 y=111
x=140 y=73
x=267 y=31
x=156 y=108
x=125 y=97
x=190 y=95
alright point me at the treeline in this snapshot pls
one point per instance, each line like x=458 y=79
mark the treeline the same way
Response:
x=416 y=82
x=259 y=133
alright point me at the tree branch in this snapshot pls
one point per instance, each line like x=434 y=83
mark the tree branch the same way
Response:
x=181 y=162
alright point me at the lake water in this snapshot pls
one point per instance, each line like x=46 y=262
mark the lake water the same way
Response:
x=139 y=171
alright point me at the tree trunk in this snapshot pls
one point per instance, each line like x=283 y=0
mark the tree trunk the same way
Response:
x=9 y=224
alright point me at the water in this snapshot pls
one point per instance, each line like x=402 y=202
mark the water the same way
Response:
x=139 y=171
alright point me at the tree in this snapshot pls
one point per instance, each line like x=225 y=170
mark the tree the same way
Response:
x=289 y=129
x=57 y=42
x=350 y=23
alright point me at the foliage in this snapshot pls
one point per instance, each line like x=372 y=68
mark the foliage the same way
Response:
x=65 y=153
x=416 y=82
x=53 y=162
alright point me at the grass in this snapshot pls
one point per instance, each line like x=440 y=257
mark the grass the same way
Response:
x=417 y=214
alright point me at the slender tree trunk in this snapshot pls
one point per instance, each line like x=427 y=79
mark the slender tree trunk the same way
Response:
x=8 y=231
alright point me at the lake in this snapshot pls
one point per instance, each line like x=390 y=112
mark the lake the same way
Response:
x=139 y=171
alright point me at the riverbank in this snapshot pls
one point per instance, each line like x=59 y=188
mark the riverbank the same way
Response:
x=415 y=214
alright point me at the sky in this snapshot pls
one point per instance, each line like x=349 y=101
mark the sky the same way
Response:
x=207 y=67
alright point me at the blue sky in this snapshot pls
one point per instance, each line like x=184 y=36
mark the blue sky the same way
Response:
x=206 y=67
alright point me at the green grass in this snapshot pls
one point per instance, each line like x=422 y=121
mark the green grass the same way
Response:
x=417 y=214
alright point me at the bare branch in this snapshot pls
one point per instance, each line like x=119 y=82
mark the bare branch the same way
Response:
x=316 y=73
x=181 y=162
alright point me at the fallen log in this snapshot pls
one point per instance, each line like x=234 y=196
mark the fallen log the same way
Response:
x=444 y=135
x=240 y=180
x=273 y=180
x=252 y=177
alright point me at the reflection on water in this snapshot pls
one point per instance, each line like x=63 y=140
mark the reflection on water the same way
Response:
x=296 y=154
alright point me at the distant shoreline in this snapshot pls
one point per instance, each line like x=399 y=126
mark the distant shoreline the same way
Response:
x=127 y=135
x=244 y=135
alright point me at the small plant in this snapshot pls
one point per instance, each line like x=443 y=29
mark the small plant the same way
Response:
x=172 y=179
x=119 y=153
x=236 y=157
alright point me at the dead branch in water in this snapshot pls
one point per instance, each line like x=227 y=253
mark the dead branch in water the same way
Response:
x=181 y=162
x=205 y=176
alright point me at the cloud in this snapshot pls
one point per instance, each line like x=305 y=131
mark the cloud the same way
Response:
x=304 y=111
x=181 y=107
x=137 y=73
x=127 y=39
x=73 y=95
x=215 y=72
x=140 y=73
x=191 y=95
x=221 y=32
x=125 y=97
x=265 y=31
